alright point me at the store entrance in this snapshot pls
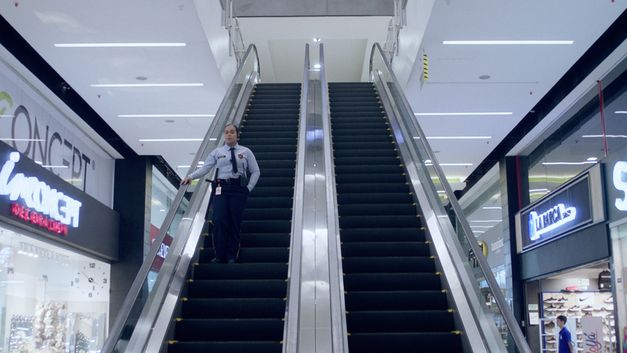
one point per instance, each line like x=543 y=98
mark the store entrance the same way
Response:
x=584 y=297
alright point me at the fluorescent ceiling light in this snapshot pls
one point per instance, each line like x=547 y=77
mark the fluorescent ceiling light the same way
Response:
x=492 y=208
x=538 y=190
x=485 y=227
x=316 y=66
x=213 y=139
x=449 y=164
x=478 y=231
x=171 y=140
x=487 y=221
x=134 y=85
x=608 y=136
x=592 y=159
x=20 y=140
x=463 y=114
x=456 y=137
x=508 y=42
x=620 y=112
x=568 y=163
x=316 y=40
x=183 y=166
x=166 y=115
x=117 y=45
x=55 y=166
x=7 y=116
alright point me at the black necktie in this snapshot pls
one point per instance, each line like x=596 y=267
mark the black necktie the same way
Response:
x=233 y=162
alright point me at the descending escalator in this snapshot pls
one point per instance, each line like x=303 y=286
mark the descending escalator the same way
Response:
x=238 y=308
x=394 y=299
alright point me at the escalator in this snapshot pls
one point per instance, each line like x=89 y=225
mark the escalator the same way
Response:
x=240 y=307
x=393 y=294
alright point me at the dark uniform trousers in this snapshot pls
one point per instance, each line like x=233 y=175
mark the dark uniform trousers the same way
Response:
x=228 y=209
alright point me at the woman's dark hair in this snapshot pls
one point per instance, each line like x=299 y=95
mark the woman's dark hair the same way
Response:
x=234 y=126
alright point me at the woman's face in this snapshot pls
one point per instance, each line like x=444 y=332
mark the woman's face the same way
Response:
x=230 y=135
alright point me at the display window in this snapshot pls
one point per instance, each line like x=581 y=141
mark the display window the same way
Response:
x=619 y=241
x=52 y=300
x=585 y=298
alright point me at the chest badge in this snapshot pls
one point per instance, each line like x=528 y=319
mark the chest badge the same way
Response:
x=240 y=156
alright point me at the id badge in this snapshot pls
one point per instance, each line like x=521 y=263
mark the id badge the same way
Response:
x=219 y=190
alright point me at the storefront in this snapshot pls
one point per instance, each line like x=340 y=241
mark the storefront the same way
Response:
x=56 y=247
x=564 y=248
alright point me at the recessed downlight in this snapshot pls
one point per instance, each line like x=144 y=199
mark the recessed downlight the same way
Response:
x=508 y=42
x=117 y=45
x=139 y=85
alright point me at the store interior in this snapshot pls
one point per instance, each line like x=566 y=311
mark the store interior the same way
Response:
x=584 y=296
x=52 y=299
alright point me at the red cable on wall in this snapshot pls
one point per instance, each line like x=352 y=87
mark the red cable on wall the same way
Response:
x=602 y=112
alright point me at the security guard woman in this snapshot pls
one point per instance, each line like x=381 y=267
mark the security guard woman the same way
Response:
x=231 y=189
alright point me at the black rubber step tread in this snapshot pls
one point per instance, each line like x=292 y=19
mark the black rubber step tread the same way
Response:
x=252 y=254
x=376 y=123
x=351 y=153
x=254 y=110
x=255 y=141
x=276 y=181
x=396 y=300
x=241 y=270
x=338 y=146
x=257 y=240
x=254 y=122
x=275 y=155
x=229 y=329
x=252 y=129
x=370 y=178
x=225 y=347
x=376 y=209
x=365 y=133
x=267 y=226
x=418 y=342
x=275 y=103
x=379 y=198
x=372 y=235
x=357 y=138
x=276 y=191
x=339 y=116
x=362 y=103
x=221 y=308
x=253 y=288
x=379 y=188
x=278 y=172
x=274 y=148
x=347 y=161
x=357 y=109
x=268 y=214
x=391 y=281
x=385 y=249
x=276 y=116
x=374 y=169
x=271 y=202
x=278 y=133
x=380 y=221
x=269 y=163
x=399 y=321
x=345 y=121
x=395 y=264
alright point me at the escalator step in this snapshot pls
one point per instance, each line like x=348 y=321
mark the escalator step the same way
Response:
x=390 y=281
x=399 y=321
x=241 y=270
x=270 y=202
x=378 y=198
x=268 y=214
x=382 y=235
x=233 y=308
x=396 y=264
x=376 y=209
x=378 y=188
x=226 y=347
x=378 y=221
x=250 y=254
x=257 y=240
x=254 y=288
x=383 y=249
x=229 y=329
x=396 y=300
x=428 y=342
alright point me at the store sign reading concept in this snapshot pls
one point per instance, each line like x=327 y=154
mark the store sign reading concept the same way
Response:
x=35 y=202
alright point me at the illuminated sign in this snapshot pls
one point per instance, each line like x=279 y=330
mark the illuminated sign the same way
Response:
x=619 y=178
x=552 y=219
x=38 y=196
x=558 y=213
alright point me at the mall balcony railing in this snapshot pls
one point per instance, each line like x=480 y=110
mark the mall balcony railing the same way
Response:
x=484 y=330
x=145 y=315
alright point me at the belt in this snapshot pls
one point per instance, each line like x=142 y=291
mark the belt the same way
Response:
x=228 y=181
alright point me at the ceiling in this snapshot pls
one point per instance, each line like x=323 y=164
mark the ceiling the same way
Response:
x=519 y=75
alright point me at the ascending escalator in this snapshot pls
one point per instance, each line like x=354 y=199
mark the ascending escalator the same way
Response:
x=394 y=299
x=240 y=307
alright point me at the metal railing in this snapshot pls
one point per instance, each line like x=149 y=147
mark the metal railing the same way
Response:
x=470 y=292
x=292 y=318
x=146 y=312
x=231 y=24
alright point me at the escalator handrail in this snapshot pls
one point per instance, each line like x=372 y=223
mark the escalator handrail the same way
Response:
x=290 y=331
x=336 y=285
x=510 y=321
x=220 y=119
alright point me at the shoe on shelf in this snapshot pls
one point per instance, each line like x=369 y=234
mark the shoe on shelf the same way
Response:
x=550 y=300
x=549 y=325
x=574 y=308
x=217 y=260
x=588 y=308
x=609 y=300
x=583 y=299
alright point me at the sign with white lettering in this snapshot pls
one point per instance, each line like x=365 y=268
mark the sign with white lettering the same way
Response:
x=556 y=215
x=37 y=129
x=34 y=198
x=616 y=184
